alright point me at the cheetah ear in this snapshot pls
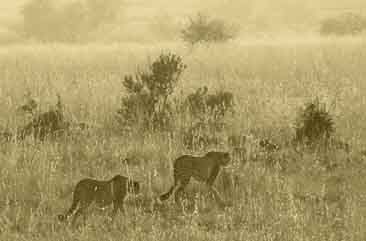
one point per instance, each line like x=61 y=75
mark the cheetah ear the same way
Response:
x=224 y=158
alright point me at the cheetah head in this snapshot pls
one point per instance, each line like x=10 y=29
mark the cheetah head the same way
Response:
x=225 y=158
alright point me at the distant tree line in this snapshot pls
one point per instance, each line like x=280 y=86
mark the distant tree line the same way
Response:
x=82 y=20
x=74 y=21
x=348 y=23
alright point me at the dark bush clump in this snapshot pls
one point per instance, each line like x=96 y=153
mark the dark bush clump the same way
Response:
x=147 y=103
x=314 y=124
x=220 y=103
x=203 y=29
x=202 y=105
x=46 y=124
x=207 y=112
x=345 y=24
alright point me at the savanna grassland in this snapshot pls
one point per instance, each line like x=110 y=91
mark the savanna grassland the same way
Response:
x=304 y=195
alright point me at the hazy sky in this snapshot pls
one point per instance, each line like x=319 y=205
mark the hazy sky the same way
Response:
x=9 y=9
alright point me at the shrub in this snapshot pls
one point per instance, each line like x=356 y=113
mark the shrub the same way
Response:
x=314 y=124
x=196 y=102
x=30 y=106
x=147 y=102
x=203 y=29
x=46 y=124
x=220 y=103
x=344 y=24
x=207 y=112
x=215 y=106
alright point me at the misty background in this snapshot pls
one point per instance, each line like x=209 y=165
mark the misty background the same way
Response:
x=160 y=20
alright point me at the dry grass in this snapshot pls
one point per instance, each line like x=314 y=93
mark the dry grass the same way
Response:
x=301 y=199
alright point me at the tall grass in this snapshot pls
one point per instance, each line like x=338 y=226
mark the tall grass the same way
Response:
x=303 y=200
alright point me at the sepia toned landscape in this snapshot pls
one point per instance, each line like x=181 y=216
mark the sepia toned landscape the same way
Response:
x=91 y=89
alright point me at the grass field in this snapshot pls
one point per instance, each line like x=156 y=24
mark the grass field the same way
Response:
x=301 y=199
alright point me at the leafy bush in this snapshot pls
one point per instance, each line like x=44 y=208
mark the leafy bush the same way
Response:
x=220 y=103
x=207 y=112
x=42 y=124
x=203 y=29
x=314 y=124
x=72 y=21
x=147 y=102
x=344 y=24
x=200 y=104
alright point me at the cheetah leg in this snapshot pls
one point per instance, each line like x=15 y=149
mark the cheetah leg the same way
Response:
x=116 y=208
x=213 y=176
x=64 y=217
x=210 y=184
x=217 y=196
x=179 y=190
x=81 y=211
x=176 y=192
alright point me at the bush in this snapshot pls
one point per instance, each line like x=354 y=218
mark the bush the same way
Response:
x=207 y=112
x=203 y=29
x=147 y=103
x=344 y=24
x=215 y=106
x=314 y=124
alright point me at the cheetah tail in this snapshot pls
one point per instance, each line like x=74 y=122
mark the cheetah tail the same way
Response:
x=64 y=217
x=165 y=196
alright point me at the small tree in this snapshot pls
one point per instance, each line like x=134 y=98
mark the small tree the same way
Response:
x=207 y=112
x=215 y=106
x=314 y=123
x=147 y=93
x=203 y=29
